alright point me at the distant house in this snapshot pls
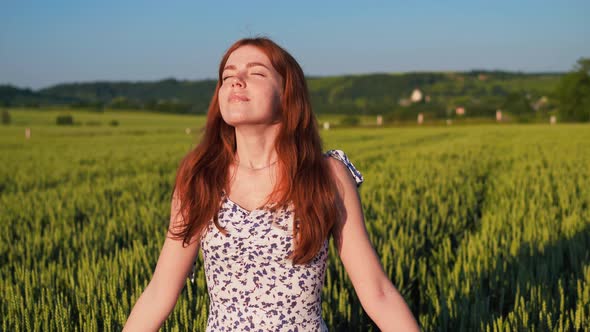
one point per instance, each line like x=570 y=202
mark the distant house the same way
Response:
x=416 y=96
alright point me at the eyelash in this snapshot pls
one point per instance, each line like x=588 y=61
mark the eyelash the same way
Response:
x=252 y=74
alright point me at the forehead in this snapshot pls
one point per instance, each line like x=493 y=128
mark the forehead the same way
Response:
x=246 y=54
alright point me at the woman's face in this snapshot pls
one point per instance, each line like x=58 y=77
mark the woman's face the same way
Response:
x=251 y=88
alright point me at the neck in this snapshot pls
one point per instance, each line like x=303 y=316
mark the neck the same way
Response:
x=255 y=147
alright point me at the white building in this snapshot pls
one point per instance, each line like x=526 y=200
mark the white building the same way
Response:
x=416 y=96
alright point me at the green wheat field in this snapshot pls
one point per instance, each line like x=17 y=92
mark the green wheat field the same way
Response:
x=481 y=227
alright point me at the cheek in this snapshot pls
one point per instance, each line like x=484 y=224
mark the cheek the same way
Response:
x=222 y=91
x=222 y=96
x=272 y=99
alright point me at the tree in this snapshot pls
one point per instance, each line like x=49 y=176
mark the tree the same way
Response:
x=573 y=93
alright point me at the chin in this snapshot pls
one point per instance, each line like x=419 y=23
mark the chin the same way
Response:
x=234 y=118
x=237 y=121
x=238 y=116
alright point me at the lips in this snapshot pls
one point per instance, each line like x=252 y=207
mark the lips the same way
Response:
x=237 y=97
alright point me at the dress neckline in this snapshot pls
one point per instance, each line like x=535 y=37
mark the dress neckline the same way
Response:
x=260 y=208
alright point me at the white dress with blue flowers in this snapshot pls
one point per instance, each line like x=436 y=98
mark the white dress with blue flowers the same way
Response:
x=252 y=285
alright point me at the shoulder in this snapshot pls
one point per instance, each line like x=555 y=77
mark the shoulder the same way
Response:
x=347 y=179
x=342 y=168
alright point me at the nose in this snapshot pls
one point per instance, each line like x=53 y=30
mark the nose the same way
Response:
x=237 y=81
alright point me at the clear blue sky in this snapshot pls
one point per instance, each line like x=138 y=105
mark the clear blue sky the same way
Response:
x=48 y=42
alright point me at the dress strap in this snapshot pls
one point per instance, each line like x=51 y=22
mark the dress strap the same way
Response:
x=340 y=155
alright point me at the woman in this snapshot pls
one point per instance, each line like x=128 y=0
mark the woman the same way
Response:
x=260 y=199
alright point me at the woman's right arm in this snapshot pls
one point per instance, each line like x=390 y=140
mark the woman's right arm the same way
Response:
x=159 y=297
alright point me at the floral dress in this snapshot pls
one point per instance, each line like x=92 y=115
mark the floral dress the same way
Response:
x=252 y=286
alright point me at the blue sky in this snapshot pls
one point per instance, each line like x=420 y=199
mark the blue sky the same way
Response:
x=49 y=42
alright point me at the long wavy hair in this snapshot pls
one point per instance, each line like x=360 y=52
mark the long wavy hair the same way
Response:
x=304 y=174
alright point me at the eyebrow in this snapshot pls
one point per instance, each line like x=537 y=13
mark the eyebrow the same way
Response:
x=250 y=64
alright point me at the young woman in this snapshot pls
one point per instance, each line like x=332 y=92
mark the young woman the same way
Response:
x=261 y=200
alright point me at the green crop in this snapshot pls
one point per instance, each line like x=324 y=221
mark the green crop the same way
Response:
x=481 y=228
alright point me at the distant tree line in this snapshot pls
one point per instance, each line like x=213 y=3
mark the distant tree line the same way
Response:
x=479 y=93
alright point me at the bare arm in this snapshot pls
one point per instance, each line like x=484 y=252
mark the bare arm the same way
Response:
x=160 y=296
x=379 y=298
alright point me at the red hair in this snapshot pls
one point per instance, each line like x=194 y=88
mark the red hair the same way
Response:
x=304 y=173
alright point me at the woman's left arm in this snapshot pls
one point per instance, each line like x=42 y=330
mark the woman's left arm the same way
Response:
x=379 y=298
